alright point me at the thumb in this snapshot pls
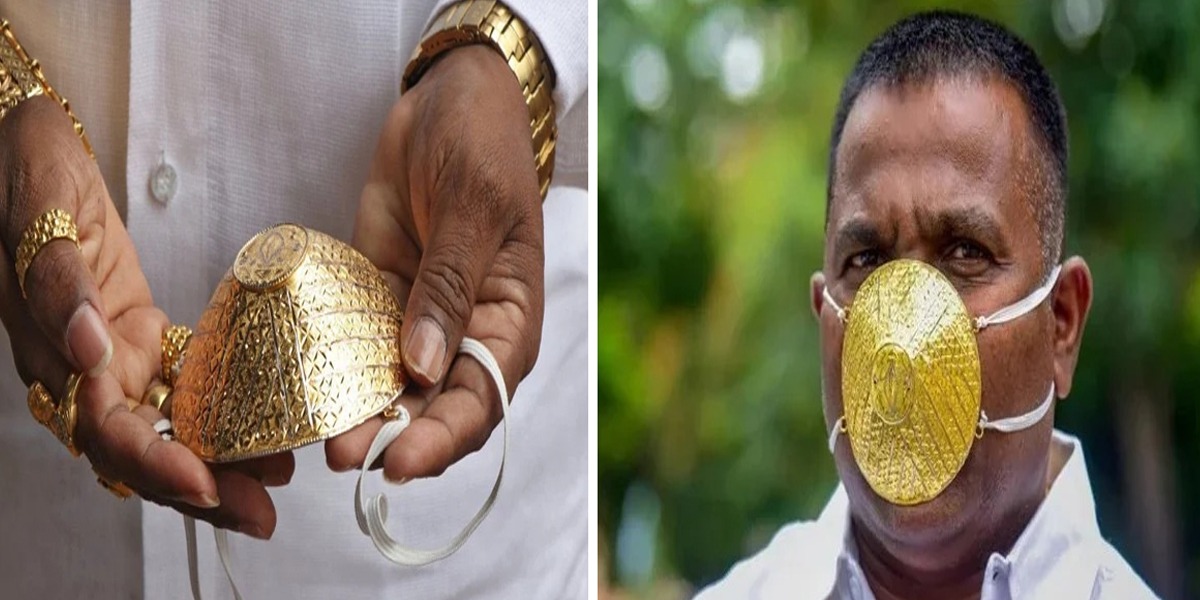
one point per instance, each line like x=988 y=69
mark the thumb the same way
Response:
x=44 y=167
x=62 y=297
x=461 y=248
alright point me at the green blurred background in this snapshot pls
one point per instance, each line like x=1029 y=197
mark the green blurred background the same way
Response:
x=714 y=125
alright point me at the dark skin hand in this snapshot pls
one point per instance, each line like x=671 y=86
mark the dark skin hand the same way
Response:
x=90 y=310
x=948 y=172
x=452 y=216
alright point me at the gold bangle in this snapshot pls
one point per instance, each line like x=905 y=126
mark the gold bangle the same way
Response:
x=54 y=224
x=59 y=417
x=21 y=78
x=492 y=23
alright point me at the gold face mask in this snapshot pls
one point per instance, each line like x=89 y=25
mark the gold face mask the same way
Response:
x=298 y=344
x=911 y=379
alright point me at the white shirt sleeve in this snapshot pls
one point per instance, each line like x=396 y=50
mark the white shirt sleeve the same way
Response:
x=562 y=27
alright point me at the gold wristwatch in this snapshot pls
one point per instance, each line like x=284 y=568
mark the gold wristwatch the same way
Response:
x=492 y=23
x=21 y=78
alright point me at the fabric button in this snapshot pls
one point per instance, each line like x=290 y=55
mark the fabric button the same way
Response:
x=164 y=182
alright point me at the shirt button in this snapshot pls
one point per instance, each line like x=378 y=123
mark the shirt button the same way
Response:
x=164 y=183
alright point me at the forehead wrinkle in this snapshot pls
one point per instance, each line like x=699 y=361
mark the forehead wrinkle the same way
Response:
x=964 y=121
x=943 y=133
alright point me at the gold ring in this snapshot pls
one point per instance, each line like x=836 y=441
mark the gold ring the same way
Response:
x=157 y=395
x=54 y=224
x=174 y=339
x=59 y=417
x=114 y=487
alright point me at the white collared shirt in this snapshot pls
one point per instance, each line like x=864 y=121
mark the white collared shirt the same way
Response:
x=268 y=112
x=1060 y=555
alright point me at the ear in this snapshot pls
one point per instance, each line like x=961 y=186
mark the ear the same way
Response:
x=816 y=285
x=1071 y=300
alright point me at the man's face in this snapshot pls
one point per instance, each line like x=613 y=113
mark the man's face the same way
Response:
x=949 y=173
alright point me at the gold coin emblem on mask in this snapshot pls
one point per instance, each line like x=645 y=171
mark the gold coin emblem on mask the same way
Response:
x=910 y=381
x=892 y=384
x=267 y=260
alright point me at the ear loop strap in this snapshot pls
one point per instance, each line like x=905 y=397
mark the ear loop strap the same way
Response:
x=839 y=426
x=841 y=312
x=1018 y=422
x=371 y=513
x=1008 y=425
x=1022 y=306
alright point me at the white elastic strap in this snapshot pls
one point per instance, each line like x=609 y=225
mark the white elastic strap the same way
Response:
x=222 y=538
x=1008 y=425
x=841 y=312
x=372 y=512
x=838 y=425
x=163 y=428
x=189 y=532
x=1018 y=422
x=1022 y=306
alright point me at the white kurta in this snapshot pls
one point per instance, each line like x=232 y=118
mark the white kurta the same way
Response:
x=270 y=112
x=1060 y=554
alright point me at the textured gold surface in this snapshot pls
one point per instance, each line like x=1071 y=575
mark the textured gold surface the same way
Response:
x=308 y=358
x=174 y=340
x=492 y=23
x=910 y=381
x=59 y=417
x=54 y=224
x=21 y=78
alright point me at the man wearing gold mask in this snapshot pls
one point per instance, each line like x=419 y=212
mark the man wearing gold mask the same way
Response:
x=950 y=324
x=211 y=121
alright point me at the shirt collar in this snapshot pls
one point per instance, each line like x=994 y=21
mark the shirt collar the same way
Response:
x=1065 y=519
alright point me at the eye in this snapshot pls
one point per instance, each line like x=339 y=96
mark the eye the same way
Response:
x=968 y=250
x=967 y=259
x=867 y=259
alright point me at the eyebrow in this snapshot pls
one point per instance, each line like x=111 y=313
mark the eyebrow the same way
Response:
x=858 y=232
x=967 y=222
x=971 y=222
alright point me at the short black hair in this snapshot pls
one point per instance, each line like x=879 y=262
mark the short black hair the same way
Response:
x=941 y=43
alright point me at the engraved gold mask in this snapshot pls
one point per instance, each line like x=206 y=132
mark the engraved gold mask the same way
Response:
x=911 y=379
x=297 y=345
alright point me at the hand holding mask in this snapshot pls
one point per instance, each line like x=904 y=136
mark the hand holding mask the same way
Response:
x=299 y=343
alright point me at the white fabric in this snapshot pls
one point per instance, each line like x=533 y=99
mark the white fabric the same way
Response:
x=270 y=112
x=1060 y=554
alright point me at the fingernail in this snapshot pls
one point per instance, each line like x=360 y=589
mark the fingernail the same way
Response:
x=255 y=531
x=426 y=349
x=275 y=479
x=401 y=481
x=87 y=337
x=204 y=500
